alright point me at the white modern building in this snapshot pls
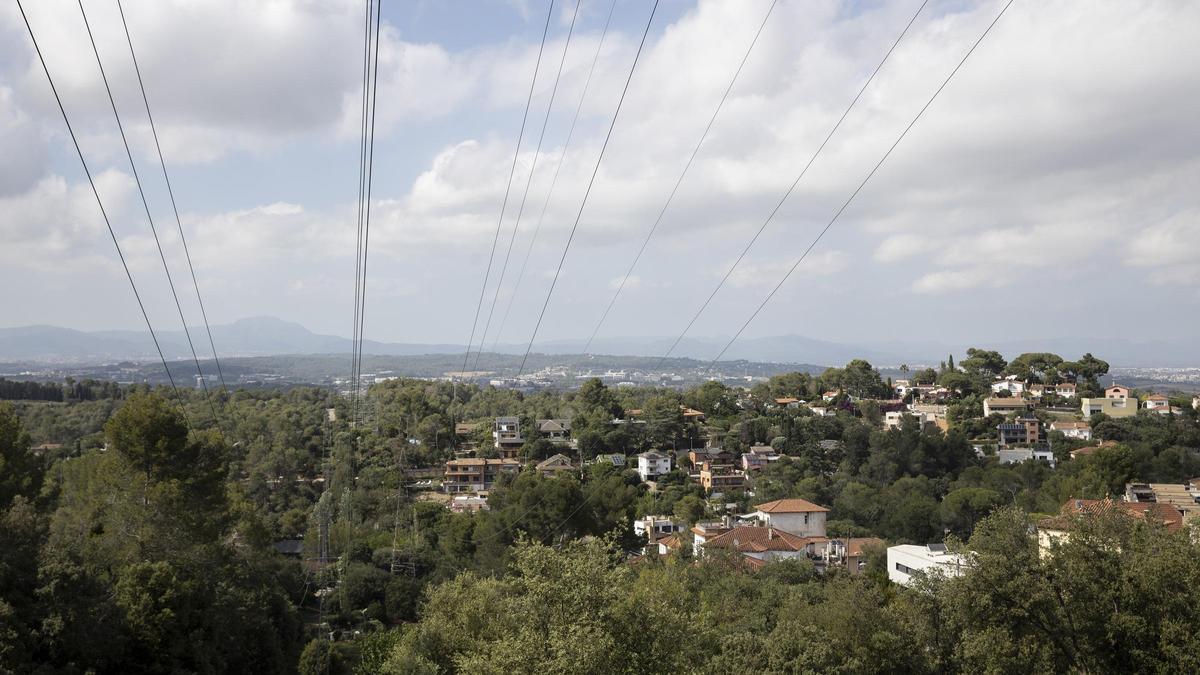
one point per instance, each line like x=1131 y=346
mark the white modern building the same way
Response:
x=652 y=464
x=906 y=560
x=659 y=526
x=1018 y=455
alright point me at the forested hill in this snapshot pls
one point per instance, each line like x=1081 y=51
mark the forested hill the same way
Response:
x=141 y=534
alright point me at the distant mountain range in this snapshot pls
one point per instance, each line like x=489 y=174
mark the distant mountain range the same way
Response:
x=269 y=336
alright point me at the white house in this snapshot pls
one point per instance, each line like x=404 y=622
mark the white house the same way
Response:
x=1078 y=430
x=1156 y=401
x=1013 y=387
x=652 y=464
x=658 y=526
x=906 y=560
x=1018 y=455
x=799 y=517
x=1065 y=389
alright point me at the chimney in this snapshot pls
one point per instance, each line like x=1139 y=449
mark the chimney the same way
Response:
x=770 y=533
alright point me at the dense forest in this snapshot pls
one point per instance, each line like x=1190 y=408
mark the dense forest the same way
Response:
x=144 y=538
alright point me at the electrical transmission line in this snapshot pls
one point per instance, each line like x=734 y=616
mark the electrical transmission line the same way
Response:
x=788 y=193
x=507 y=189
x=100 y=203
x=588 y=192
x=528 y=181
x=146 y=206
x=861 y=185
x=366 y=175
x=679 y=181
x=554 y=181
x=171 y=193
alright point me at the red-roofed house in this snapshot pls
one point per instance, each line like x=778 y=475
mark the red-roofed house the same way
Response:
x=1156 y=402
x=798 y=517
x=765 y=543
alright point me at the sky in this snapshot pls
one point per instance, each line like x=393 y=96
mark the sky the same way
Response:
x=1049 y=191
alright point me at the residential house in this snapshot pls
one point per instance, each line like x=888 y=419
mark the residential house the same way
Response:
x=506 y=434
x=764 y=543
x=615 y=459
x=1091 y=449
x=1078 y=430
x=848 y=554
x=720 y=478
x=901 y=388
x=467 y=504
x=691 y=415
x=758 y=457
x=476 y=474
x=555 y=431
x=788 y=402
x=830 y=395
x=1025 y=430
x=554 y=466
x=1004 y=406
x=1065 y=389
x=1018 y=455
x=1037 y=390
x=1116 y=391
x=715 y=456
x=906 y=560
x=1056 y=529
x=653 y=464
x=703 y=531
x=1185 y=497
x=654 y=527
x=821 y=411
x=1157 y=402
x=799 y=517
x=465 y=428
x=1013 y=386
x=1109 y=405
x=666 y=545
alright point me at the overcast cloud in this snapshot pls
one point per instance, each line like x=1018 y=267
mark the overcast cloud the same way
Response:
x=1049 y=191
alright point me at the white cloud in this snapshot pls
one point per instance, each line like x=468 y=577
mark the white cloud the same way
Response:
x=1066 y=135
x=1170 y=249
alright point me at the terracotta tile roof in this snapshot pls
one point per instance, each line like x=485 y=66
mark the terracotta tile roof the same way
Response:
x=855 y=545
x=1091 y=449
x=750 y=539
x=791 y=506
x=1165 y=514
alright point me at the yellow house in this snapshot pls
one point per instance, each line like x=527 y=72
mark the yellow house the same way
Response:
x=1113 y=407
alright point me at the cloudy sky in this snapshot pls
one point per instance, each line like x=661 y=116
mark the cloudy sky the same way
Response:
x=1051 y=190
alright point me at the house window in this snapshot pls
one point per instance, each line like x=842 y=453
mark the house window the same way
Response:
x=901 y=567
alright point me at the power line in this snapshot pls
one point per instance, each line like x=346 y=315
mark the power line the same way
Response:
x=87 y=172
x=528 y=181
x=507 y=189
x=358 y=251
x=591 y=182
x=679 y=181
x=554 y=181
x=370 y=175
x=146 y=206
x=171 y=193
x=862 y=184
x=796 y=182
